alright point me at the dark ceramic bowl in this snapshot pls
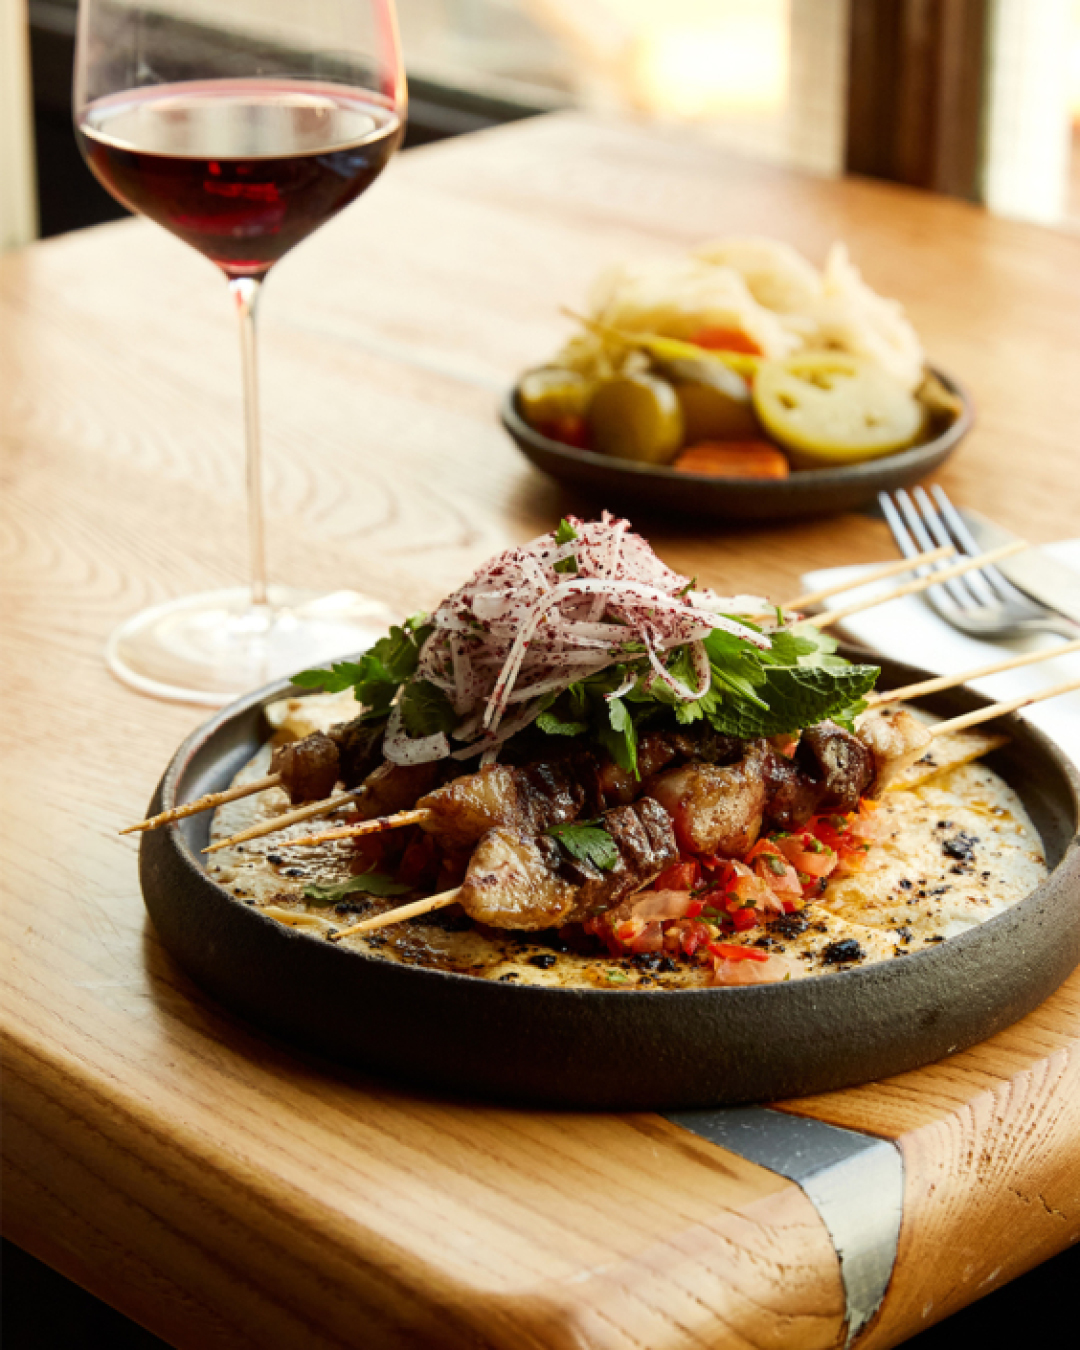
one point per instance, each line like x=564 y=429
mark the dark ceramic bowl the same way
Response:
x=605 y=1049
x=809 y=492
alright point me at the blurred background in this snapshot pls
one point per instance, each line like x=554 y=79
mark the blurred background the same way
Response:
x=977 y=98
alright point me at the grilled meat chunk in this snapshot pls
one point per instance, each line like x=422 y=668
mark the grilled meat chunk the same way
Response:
x=396 y=787
x=791 y=795
x=716 y=809
x=528 y=799
x=656 y=750
x=525 y=881
x=309 y=767
x=895 y=740
x=359 y=746
x=839 y=762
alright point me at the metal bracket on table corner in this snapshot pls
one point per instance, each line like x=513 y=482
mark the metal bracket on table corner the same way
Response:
x=854 y=1181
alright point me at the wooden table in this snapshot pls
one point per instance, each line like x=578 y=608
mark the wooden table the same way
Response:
x=226 y=1192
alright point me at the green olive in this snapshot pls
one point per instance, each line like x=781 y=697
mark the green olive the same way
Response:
x=636 y=417
x=715 y=402
x=548 y=394
x=835 y=408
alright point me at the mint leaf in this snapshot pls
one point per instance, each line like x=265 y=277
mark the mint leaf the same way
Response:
x=380 y=672
x=554 y=725
x=619 y=737
x=340 y=676
x=797 y=696
x=588 y=842
x=425 y=709
x=371 y=883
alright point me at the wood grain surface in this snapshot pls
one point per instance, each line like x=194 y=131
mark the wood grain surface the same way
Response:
x=227 y=1193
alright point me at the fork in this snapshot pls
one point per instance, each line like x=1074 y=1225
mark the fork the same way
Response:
x=981 y=603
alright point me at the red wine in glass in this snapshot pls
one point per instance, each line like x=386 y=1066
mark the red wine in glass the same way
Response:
x=242 y=170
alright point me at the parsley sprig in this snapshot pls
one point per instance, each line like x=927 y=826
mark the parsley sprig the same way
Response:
x=586 y=841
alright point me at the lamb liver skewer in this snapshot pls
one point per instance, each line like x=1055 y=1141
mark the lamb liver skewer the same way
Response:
x=308 y=769
x=526 y=882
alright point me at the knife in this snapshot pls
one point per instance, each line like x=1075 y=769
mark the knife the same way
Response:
x=1034 y=572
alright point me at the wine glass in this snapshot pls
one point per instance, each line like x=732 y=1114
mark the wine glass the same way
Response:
x=240 y=127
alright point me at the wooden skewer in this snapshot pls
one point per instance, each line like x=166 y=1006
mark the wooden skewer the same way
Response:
x=374 y=826
x=875 y=574
x=206 y=803
x=309 y=812
x=400 y=914
x=949 y=681
x=445 y=898
x=380 y=823
x=832 y=616
x=1000 y=709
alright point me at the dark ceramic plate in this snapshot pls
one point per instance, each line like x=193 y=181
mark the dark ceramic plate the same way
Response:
x=811 y=492
x=605 y=1049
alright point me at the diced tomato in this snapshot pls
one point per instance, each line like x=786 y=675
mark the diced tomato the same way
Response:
x=650 y=939
x=717 y=339
x=744 y=919
x=728 y=951
x=799 y=850
x=681 y=876
x=420 y=861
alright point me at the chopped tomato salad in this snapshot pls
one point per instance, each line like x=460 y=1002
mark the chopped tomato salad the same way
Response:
x=698 y=902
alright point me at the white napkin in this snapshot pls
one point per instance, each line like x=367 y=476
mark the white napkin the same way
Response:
x=909 y=630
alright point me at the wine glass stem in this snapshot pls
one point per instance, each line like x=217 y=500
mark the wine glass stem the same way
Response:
x=245 y=293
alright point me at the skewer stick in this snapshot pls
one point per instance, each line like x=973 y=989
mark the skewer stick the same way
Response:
x=1000 y=709
x=949 y=681
x=921 y=583
x=309 y=812
x=207 y=803
x=445 y=898
x=400 y=914
x=374 y=826
x=875 y=574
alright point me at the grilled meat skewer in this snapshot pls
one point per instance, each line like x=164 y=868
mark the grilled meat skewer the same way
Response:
x=527 y=882
x=310 y=768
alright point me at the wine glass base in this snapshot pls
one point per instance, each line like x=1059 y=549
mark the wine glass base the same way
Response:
x=213 y=647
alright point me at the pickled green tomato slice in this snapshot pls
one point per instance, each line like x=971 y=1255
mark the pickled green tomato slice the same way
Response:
x=831 y=407
x=549 y=393
x=636 y=417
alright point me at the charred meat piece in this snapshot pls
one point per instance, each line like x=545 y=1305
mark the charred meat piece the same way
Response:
x=308 y=767
x=895 y=740
x=525 y=881
x=839 y=762
x=359 y=745
x=396 y=787
x=701 y=742
x=791 y=795
x=528 y=800
x=656 y=750
x=716 y=809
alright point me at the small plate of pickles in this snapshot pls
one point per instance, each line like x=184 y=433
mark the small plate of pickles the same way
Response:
x=708 y=426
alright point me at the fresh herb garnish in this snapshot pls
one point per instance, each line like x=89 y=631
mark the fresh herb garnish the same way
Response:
x=587 y=842
x=566 y=534
x=380 y=672
x=425 y=709
x=553 y=725
x=371 y=883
